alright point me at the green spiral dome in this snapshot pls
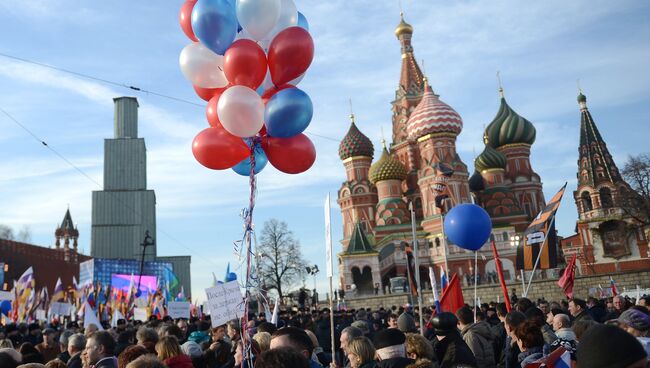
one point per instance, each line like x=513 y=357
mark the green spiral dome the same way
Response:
x=508 y=127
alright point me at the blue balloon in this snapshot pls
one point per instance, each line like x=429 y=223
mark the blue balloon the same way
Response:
x=468 y=226
x=5 y=307
x=244 y=167
x=214 y=23
x=138 y=293
x=302 y=21
x=288 y=113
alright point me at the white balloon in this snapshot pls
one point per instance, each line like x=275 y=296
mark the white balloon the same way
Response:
x=288 y=18
x=241 y=111
x=258 y=17
x=202 y=67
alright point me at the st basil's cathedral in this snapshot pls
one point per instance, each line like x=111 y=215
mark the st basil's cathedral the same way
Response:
x=421 y=168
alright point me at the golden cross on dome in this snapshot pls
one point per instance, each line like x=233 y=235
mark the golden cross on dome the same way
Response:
x=499 y=82
x=578 y=83
x=383 y=140
x=351 y=112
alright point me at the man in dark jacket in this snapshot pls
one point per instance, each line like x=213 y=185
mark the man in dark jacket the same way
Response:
x=76 y=345
x=578 y=309
x=450 y=349
x=391 y=349
x=478 y=337
x=100 y=347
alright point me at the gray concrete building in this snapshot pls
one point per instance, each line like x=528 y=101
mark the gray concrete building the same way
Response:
x=125 y=210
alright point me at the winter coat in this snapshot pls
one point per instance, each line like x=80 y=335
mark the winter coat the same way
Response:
x=453 y=352
x=75 y=361
x=499 y=342
x=582 y=316
x=511 y=353
x=179 y=361
x=549 y=335
x=398 y=362
x=530 y=355
x=566 y=334
x=479 y=339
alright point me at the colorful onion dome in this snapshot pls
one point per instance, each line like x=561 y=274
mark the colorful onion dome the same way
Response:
x=355 y=143
x=386 y=168
x=476 y=182
x=508 y=127
x=490 y=159
x=403 y=27
x=433 y=116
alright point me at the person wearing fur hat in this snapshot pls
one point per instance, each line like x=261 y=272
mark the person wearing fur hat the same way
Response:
x=391 y=350
x=604 y=346
x=450 y=350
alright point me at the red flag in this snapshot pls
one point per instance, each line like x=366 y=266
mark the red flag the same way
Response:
x=566 y=281
x=452 y=298
x=502 y=281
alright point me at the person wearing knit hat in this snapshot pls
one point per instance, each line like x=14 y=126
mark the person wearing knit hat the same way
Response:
x=637 y=323
x=607 y=346
x=450 y=349
x=406 y=323
x=390 y=348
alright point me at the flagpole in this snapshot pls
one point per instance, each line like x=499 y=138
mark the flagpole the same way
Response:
x=329 y=268
x=417 y=268
x=539 y=255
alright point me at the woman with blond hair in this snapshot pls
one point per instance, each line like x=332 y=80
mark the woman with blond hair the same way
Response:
x=169 y=352
x=361 y=353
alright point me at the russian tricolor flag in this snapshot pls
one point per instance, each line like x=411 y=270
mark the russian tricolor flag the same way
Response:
x=443 y=280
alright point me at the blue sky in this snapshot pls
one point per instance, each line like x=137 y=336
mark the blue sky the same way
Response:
x=541 y=48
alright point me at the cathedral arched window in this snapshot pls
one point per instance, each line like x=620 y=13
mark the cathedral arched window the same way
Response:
x=504 y=236
x=586 y=201
x=437 y=241
x=606 y=198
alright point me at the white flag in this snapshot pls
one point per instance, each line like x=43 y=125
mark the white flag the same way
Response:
x=328 y=237
x=91 y=318
x=116 y=315
x=638 y=294
x=276 y=311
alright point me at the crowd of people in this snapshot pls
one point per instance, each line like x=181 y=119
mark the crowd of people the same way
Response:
x=596 y=333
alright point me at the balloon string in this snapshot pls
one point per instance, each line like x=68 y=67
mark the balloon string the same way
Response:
x=247 y=236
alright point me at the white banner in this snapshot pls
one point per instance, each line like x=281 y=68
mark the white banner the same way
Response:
x=61 y=309
x=40 y=315
x=7 y=295
x=86 y=272
x=140 y=314
x=328 y=237
x=225 y=302
x=179 y=310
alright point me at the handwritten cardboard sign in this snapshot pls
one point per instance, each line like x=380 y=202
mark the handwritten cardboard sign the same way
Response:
x=225 y=302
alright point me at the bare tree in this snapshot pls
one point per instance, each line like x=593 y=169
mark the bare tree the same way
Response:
x=6 y=232
x=25 y=234
x=636 y=202
x=280 y=262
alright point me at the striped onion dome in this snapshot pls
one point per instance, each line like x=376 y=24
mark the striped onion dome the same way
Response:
x=355 y=143
x=433 y=116
x=508 y=127
x=386 y=168
x=490 y=159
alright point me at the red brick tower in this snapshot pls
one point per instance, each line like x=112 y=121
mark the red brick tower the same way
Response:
x=610 y=240
x=67 y=233
x=407 y=96
x=357 y=196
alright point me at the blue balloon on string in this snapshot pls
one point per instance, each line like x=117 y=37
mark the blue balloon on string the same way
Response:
x=468 y=226
x=288 y=113
x=302 y=21
x=5 y=307
x=214 y=23
x=244 y=167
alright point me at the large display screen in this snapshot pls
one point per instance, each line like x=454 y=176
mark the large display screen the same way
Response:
x=148 y=283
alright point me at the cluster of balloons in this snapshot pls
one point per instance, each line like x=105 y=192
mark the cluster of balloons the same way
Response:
x=468 y=226
x=246 y=58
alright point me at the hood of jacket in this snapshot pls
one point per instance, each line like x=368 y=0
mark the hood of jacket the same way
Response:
x=481 y=328
x=179 y=361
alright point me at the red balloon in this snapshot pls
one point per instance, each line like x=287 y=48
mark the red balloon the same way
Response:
x=290 y=54
x=211 y=111
x=217 y=149
x=273 y=90
x=290 y=155
x=244 y=64
x=185 y=18
x=207 y=93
